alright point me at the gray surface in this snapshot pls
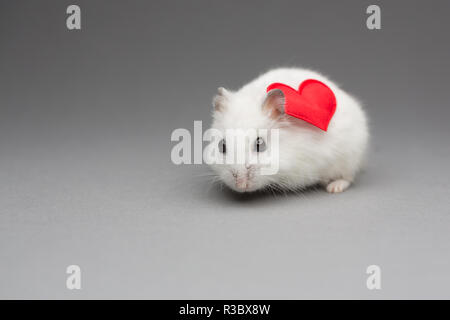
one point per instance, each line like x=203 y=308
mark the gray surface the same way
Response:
x=85 y=171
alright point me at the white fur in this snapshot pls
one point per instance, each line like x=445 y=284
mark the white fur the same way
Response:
x=308 y=155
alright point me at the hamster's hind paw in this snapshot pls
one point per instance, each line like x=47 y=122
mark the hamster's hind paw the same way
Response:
x=337 y=186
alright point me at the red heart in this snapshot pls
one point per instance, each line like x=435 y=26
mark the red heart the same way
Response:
x=314 y=102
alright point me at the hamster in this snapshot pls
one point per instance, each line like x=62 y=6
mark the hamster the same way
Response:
x=307 y=155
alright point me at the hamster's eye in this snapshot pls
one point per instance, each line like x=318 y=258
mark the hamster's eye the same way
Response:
x=260 y=145
x=222 y=146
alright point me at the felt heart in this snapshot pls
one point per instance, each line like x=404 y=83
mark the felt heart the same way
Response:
x=314 y=102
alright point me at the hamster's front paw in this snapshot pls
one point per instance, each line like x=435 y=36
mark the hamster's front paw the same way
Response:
x=337 y=186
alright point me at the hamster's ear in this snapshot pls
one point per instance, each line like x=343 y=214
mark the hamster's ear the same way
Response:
x=273 y=105
x=221 y=99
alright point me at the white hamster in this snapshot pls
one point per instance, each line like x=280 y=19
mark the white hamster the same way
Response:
x=307 y=155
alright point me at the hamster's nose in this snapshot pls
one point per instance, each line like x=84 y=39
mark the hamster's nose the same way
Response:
x=241 y=183
x=241 y=178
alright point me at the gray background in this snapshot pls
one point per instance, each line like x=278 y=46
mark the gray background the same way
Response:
x=86 y=176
